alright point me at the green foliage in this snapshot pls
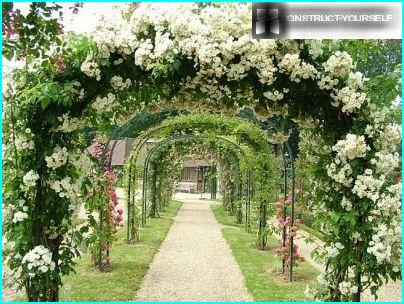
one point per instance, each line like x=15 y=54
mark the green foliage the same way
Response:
x=373 y=57
x=129 y=265
x=261 y=269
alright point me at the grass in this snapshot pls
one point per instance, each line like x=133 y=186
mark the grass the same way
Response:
x=129 y=264
x=261 y=269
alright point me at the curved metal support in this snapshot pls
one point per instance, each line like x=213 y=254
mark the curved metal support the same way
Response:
x=170 y=140
x=288 y=159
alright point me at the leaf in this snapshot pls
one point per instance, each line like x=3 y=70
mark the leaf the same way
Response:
x=45 y=102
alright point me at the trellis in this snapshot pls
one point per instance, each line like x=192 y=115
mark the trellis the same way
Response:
x=194 y=138
x=288 y=173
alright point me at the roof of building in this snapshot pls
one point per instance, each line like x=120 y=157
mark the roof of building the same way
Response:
x=123 y=147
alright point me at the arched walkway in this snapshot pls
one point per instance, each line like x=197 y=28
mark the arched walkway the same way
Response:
x=194 y=262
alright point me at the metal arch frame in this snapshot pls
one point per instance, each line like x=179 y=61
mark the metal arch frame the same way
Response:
x=288 y=160
x=141 y=143
x=122 y=129
x=191 y=137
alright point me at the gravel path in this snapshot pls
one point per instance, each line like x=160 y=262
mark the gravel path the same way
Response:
x=194 y=262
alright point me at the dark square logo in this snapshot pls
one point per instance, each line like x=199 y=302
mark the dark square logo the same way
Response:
x=268 y=20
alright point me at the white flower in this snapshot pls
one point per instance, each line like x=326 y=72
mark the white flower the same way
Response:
x=90 y=67
x=389 y=137
x=105 y=104
x=275 y=95
x=333 y=250
x=384 y=240
x=118 y=84
x=366 y=185
x=386 y=162
x=279 y=137
x=353 y=146
x=346 y=204
x=356 y=80
x=23 y=143
x=342 y=174
x=68 y=124
x=327 y=83
x=38 y=260
x=349 y=98
x=67 y=188
x=390 y=200
x=19 y=216
x=339 y=64
x=292 y=64
x=346 y=287
x=58 y=158
x=30 y=178
x=315 y=47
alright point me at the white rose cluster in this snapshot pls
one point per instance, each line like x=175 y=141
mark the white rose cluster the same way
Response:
x=315 y=48
x=368 y=185
x=346 y=288
x=83 y=163
x=67 y=188
x=30 y=178
x=383 y=241
x=90 y=67
x=38 y=261
x=68 y=124
x=275 y=95
x=24 y=141
x=19 y=216
x=118 y=84
x=390 y=200
x=333 y=249
x=389 y=137
x=340 y=173
x=298 y=70
x=346 y=204
x=353 y=146
x=386 y=162
x=105 y=104
x=327 y=82
x=58 y=158
x=279 y=137
x=339 y=64
x=349 y=98
x=356 y=80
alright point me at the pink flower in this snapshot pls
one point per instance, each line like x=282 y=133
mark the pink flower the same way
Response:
x=288 y=201
x=120 y=217
x=120 y=210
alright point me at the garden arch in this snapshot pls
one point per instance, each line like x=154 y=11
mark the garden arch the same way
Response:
x=147 y=62
x=243 y=130
x=170 y=140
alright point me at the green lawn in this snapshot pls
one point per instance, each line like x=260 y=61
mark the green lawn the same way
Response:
x=261 y=268
x=129 y=265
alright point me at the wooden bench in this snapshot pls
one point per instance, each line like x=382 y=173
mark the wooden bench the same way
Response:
x=186 y=186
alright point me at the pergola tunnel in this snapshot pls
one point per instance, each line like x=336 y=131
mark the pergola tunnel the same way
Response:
x=291 y=131
x=208 y=138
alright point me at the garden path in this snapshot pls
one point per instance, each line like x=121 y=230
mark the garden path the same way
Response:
x=194 y=262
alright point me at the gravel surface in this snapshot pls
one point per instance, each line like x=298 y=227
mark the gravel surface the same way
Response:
x=194 y=262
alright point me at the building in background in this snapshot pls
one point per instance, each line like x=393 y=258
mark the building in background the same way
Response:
x=191 y=179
